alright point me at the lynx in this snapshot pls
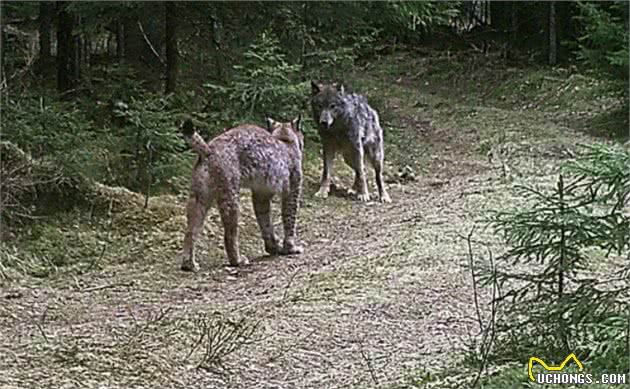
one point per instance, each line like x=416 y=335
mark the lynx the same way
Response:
x=267 y=161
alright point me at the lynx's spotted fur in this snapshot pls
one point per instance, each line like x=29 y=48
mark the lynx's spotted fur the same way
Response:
x=267 y=161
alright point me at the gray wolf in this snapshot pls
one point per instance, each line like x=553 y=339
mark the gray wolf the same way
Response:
x=348 y=125
x=266 y=160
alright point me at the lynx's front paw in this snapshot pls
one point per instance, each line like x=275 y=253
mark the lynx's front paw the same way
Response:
x=385 y=198
x=291 y=249
x=363 y=197
x=191 y=266
x=272 y=247
x=236 y=262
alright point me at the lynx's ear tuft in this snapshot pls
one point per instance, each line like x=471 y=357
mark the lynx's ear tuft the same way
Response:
x=297 y=123
x=188 y=128
x=270 y=123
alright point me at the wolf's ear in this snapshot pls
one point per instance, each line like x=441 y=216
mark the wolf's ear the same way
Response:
x=188 y=128
x=270 y=123
x=297 y=123
x=339 y=87
x=316 y=87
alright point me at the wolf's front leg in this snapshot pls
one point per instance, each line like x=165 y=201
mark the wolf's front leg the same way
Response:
x=329 y=158
x=360 y=182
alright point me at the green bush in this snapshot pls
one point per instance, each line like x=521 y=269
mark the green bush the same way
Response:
x=57 y=134
x=145 y=147
x=263 y=82
x=550 y=300
x=603 y=43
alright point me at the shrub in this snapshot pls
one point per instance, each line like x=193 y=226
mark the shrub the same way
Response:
x=551 y=301
x=603 y=43
x=146 y=146
x=264 y=82
x=51 y=142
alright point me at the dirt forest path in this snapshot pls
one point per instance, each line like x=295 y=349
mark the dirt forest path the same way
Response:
x=381 y=294
x=361 y=308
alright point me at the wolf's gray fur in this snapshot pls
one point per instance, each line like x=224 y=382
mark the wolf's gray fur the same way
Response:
x=268 y=161
x=347 y=124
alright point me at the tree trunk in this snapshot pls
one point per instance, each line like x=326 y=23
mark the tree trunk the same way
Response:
x=500 y=15
x=514 y=28
x=553 y=44
x=120 y=41
x=3 y=76
x=46 y=11
x=66 y=49
x=172 y=60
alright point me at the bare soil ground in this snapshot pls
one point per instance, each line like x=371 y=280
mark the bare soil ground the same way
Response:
x=381 y=293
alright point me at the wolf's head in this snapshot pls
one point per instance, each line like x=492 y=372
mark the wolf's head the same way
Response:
x=288 y=132
x=327 y=103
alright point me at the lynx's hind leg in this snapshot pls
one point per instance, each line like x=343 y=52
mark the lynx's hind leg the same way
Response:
x=196 y=211
x=290 y=204
x=262 y=209
x=229 y=210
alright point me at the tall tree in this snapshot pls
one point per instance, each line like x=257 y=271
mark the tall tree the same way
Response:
x=172 y=60
x=553 y=45
x=500 y=14
x=66 y=49
x=120 y=40
x=46 y=13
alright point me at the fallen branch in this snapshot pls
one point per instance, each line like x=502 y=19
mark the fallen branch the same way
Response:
x=489 y=333
x=286 y=289
x=107 y=286
x=474 y=278
x=368 y=362
x=109 y=232
x=146 y=39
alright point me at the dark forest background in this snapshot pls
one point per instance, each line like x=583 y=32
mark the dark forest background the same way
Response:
x=92 y=95
x=96 y=88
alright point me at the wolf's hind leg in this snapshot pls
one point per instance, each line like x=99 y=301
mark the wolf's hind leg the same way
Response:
x=375 y=155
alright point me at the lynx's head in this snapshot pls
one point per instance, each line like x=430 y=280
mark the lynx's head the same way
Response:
x=327 y=103
x=288 y=132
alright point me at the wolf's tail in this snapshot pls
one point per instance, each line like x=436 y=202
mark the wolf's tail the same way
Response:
x=194 y=140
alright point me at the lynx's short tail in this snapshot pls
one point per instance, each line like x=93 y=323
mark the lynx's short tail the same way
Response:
x=194 y=140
